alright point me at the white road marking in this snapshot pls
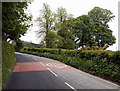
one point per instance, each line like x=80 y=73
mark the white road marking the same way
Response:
x=42 y=63
x=60 y=65
x=34 y=58
x=49 y=64
x=52 y=72
x=70 y=86
x=57 y=65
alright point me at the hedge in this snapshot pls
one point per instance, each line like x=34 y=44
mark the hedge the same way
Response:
x=8 y=61
x=111 y=57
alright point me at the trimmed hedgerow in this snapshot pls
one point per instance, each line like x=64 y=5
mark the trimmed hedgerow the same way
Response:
x=111 y=57
x=8 y=61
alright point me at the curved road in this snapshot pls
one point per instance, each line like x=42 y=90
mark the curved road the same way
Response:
x=33 y=72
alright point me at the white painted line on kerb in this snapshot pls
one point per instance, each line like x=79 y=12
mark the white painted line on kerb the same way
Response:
x=42 y=64
x=70 y=86
x=52 y=72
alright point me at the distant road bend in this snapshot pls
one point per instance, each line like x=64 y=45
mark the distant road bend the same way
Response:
x=33 y=72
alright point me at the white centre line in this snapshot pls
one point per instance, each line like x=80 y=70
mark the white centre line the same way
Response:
x=42 y=63
x=70 y=86
x=52 y=72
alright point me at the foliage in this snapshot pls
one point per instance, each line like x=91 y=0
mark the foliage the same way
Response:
x=92 y=29
x=49 y=22
x=105 y=46
x=111 y=57
x=100 y=17
x=84 y=31
x=45 y=21
x=95 y=47
x=61 y=16
x=53 y=40
x=8 y=61
x=30 y=44
x=14 y=27
x=61 y=26
x=18 y=45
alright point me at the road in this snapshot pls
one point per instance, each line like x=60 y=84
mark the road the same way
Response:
x=33 y=72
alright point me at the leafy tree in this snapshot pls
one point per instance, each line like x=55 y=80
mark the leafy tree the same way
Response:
x=42 y=44
x=15 y=22
x=100 y=17
x=30 y=44
x=84 y=31
x=61 y=16
x=53 y=40
x=92 y=29
x=61 y=26
x=18 y=45
x=45 y=21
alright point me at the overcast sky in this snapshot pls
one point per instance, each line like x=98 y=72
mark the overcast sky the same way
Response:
x=75 y=7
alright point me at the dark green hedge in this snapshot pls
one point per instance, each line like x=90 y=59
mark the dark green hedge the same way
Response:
x=8 y=61
x=111 y=57
x=98 y=62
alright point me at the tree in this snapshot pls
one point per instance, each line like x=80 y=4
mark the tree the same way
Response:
x=100 y=17
x=61 y=16
x=53 y=40
x=15 y=22
x=45 y=21
x=83 y=31
x=61 y=26
x=18 y=45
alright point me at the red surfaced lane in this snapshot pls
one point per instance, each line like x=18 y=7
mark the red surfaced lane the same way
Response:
x=39 y=66
x=28 y=66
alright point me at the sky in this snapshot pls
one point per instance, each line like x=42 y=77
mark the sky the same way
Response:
x=75 y=7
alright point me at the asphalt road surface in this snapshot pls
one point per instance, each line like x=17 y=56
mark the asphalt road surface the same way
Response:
x=33 y=72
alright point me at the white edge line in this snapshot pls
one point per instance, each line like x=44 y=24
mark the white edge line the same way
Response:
x=42 y=63
x=52 y=72
x=70 y=86
x=34 y=58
